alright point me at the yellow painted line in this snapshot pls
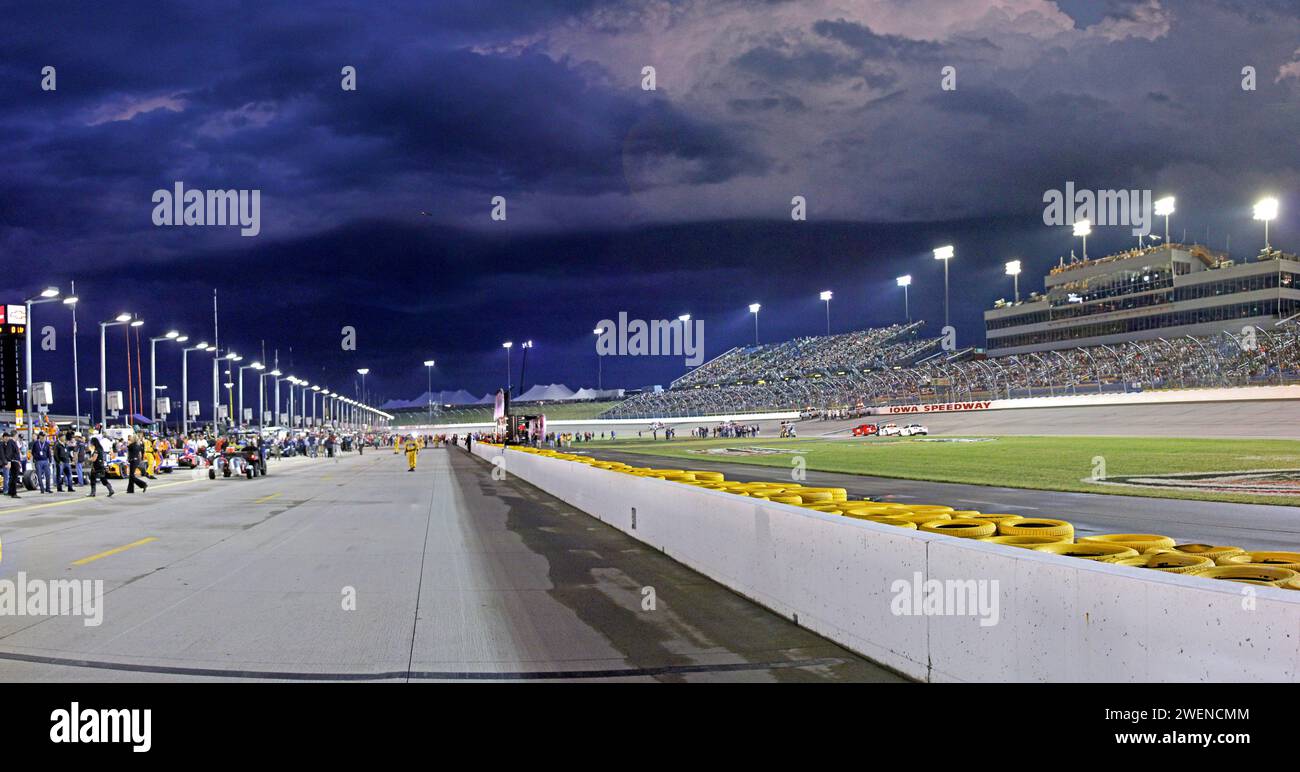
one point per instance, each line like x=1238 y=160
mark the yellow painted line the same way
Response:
x=79 y=499
x=114 y=551
x=266 y=498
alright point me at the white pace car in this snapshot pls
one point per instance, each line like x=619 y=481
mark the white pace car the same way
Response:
x=913 y=430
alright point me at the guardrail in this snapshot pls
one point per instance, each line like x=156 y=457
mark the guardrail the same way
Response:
x=864 y=586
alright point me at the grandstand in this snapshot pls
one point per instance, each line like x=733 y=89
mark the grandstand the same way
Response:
x=842 y=374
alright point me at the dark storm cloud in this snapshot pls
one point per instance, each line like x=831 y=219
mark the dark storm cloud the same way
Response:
x=620 y=199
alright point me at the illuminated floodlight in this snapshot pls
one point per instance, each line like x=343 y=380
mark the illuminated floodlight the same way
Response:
x=943 y=253
x=754 y=307
x=904 y=281
x=826 y=295
x=1013 y=268
x=1164 y=206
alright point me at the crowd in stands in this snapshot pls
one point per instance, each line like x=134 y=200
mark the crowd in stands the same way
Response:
x=841 y=374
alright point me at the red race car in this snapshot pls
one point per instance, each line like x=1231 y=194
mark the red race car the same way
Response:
x=865 y=430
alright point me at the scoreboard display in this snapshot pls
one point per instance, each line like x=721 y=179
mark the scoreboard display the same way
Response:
x=13 y=329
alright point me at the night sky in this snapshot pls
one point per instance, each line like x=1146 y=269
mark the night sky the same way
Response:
x=375 y=203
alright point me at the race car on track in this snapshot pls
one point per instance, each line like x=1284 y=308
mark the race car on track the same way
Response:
x=890 y=430
x=865 y=430
x=913 y=430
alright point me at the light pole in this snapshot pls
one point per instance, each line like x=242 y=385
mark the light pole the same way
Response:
x=71 y=302
x=261 y=397
x=92 y=390
x=507 y=346
x=122 y=318
x=314 y=391
x=523 y=368
x=1013 y=270
x=185 y=386
x=600 y=360
x=254 y=366
x=48 y=295
x=1164 y=208
x=945 y=254
x=826 y=296
x=754 y=309
x=230 y=357
x=1265 y=209
x=363 y=371
x=905 y=282
x=1083 y=228
x=153 y=372
x=428 y=367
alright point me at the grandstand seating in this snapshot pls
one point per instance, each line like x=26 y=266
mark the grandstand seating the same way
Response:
x=843 y=373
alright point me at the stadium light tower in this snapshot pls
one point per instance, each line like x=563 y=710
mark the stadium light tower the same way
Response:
x=905 y=282
x=507 y=346
x=1083 y=228
x=1164 y=208
x=600 y=362
x=1266 y=209
x=48 y=295
x=364 y=371
x=1013 y=270
x=428 y=368
x=753 y=309
x=171 y=335
x=122 y=318
x=826 y=296
x=945 y=254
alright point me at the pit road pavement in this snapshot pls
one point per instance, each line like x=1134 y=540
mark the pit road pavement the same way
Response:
x=456 y=576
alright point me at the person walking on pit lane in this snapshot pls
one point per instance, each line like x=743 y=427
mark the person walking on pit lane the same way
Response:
x=10 y=457
x=134 y=458
x=41 y=455
x=412 y=449
x=62 y=464
x=98 y=467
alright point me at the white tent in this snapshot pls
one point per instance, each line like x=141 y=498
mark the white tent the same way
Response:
x=555 y=392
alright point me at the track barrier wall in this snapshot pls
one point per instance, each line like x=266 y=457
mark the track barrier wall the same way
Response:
x=1057 y=618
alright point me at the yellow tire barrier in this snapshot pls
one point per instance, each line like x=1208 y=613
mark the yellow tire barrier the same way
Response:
x=867 y=509
x=1026 y=541
x=1141 y=542
x=964 y=527
x=836 y=494
x=824 y=507
x=1001 y=518
x=964 y=513
x=894 y=521
x=1209 y=551
x=926 y=508
x=1171 y=562
x=814 y=497
x=1249 y=574
x=785 y=499
x=1036 y=526
x=1105 y=553
x=711 y=476
x=921 y=517
x=1287 y=560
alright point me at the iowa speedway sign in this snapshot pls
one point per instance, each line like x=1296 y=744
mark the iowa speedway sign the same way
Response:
x=942 y=407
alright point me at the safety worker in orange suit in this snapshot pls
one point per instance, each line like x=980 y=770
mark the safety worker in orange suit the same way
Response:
x=412 y=449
